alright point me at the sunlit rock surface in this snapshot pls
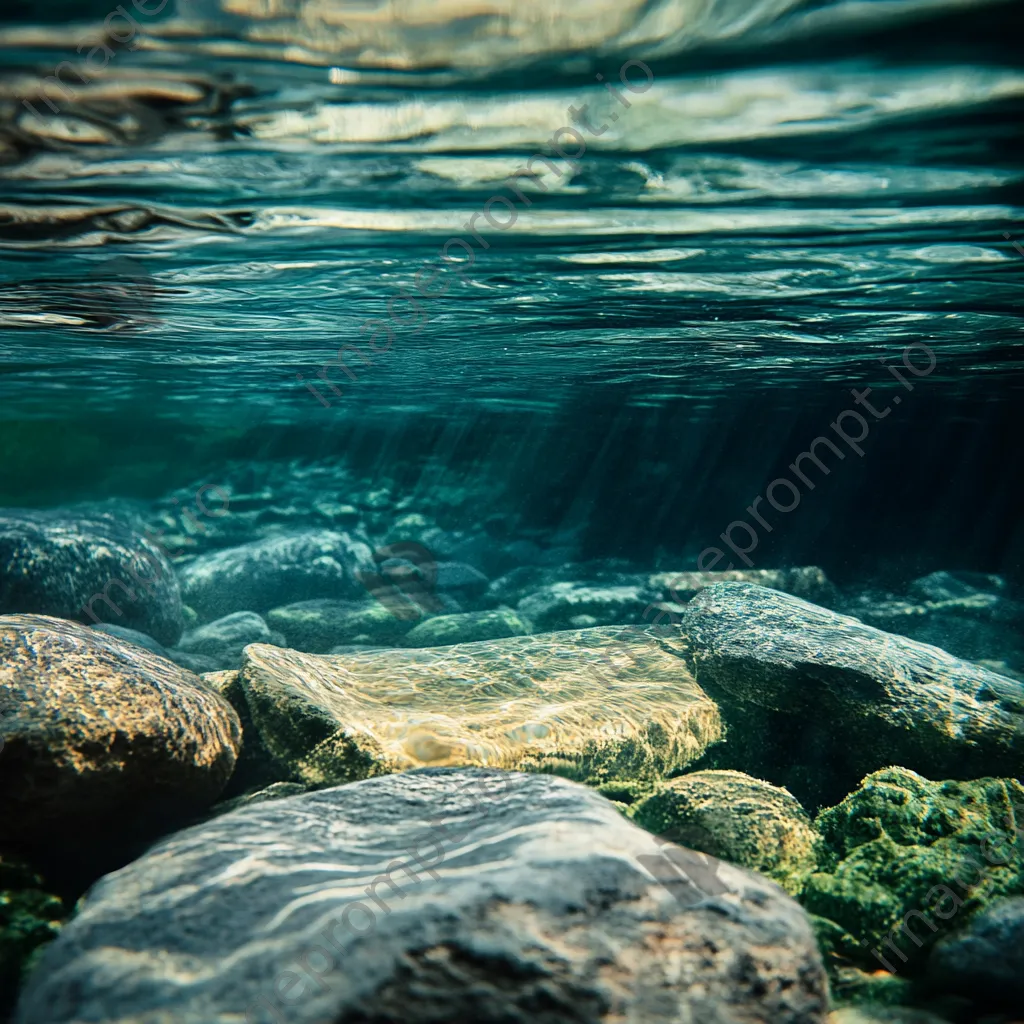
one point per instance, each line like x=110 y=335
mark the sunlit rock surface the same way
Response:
x=101 y=736
x=430 y=897
x=815 y=700
x=595 y=705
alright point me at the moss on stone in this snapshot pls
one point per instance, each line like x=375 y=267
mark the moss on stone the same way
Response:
x=737 y=818
x=906 y=861
x=29 y=918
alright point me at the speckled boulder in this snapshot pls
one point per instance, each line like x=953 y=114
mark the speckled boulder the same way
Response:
x=596 y=705
x=736 y=818
x=427 y=898
x=267 y=573
x=102 y=736
x=90 y=569
x=815 y=700
x=906 y=861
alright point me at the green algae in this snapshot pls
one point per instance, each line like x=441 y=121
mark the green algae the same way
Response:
x=905 y=860
x=29 y=918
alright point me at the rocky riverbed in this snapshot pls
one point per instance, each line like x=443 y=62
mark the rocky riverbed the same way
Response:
x=318 y=749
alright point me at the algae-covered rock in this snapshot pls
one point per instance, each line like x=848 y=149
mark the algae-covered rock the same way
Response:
x=444 y=896
x=595 y=705
x=29 y=918
x=907 y=861
x=102 y=737
x=318 y=626
x=736 y=818
x=444 y=630
x=815 y=701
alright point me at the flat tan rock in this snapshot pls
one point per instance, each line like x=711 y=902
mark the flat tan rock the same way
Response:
x=597 y=705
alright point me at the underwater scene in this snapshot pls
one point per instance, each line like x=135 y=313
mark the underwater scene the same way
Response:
x=511 y=512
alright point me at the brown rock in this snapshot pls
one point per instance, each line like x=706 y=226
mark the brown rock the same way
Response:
x=102 y=737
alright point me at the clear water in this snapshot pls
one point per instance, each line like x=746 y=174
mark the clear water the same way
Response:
x=798 y=200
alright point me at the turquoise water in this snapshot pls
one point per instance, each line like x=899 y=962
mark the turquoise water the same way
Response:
x=559 y=295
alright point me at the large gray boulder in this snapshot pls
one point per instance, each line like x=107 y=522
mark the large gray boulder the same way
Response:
x=815 y=700
x=276 y=571
x=87 y=568
x=425 y=898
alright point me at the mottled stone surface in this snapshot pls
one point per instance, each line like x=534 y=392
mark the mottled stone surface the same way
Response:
x=594 y=705
x=274 y=571
x=317 y=626
x=101 y=734
x=815 y=700
x=906 y=861
x=736 y=818
x=90 y=569
x=986 y=960
x=427 y=898
x=443 y=630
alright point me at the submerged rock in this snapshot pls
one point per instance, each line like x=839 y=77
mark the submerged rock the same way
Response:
x=89 y=569
x=815 y=700
x=430 y=897
x=596 y=705
x=224 y=639
x=442 y=630
x=736 y=818
x=967 y=614
x=986 y=960
x=132 y=636
x=276 y=570
x=906 y=861
x=101 y=737
x=319 y=626
x=950 y=586
x=555 y=606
